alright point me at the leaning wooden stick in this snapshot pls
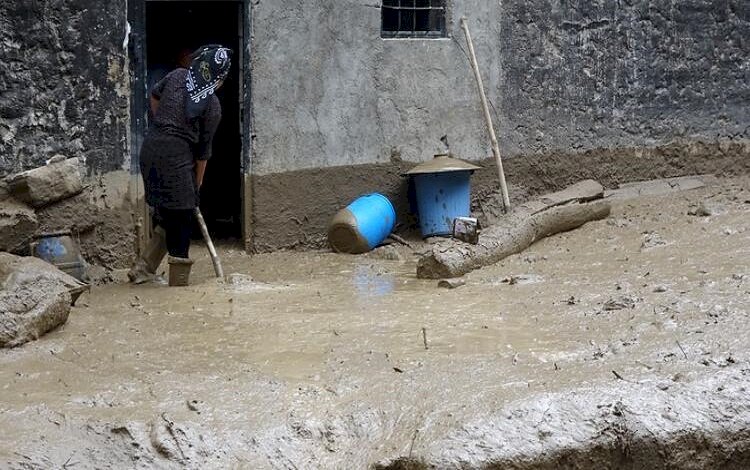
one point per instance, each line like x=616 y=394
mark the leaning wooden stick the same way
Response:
x=211 y=249
x=487 y=117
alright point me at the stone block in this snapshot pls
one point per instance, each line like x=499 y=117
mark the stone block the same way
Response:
x=35 y=298
x=59 y=179
x=18 y=225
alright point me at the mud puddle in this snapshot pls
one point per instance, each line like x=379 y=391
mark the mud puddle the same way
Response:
x=318 y=360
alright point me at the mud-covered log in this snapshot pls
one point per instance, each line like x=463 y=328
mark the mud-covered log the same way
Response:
x=550 y=214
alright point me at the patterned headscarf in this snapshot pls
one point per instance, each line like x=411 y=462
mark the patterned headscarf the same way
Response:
x=209 y=66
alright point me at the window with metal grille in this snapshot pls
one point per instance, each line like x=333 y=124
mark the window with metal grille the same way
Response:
x=413 y=19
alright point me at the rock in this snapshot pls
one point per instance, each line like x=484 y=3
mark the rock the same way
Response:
x=35 y=299
x=45 y=185
x=451 y=283
x=18 y=224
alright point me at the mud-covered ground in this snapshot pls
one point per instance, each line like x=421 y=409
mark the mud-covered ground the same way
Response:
x=618 y=345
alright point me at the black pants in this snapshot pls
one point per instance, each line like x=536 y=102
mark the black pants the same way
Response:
x=178 y=224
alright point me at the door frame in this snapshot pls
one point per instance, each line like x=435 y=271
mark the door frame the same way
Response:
x=139 y=102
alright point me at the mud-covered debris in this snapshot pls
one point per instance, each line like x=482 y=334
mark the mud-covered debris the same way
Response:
x=721 y=363
x=136 y=303
x=195 y=405
x=652 y=240
x=704 y=209
x=522 y=279
x=237 y=279
x=451 y=283
x=717 y=311
x=386 y=252
x=620 y=303
x=619 y=222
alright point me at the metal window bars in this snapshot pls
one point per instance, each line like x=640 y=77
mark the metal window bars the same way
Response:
x=413 y=19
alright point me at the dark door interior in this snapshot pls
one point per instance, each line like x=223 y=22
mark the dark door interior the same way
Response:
x=174 y=29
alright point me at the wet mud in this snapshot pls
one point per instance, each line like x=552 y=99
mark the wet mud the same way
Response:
x=617 y=344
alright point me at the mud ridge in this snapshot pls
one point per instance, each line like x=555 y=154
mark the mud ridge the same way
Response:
x=700 y=425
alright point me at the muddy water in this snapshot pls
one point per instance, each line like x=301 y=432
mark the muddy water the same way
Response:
x=318 y=360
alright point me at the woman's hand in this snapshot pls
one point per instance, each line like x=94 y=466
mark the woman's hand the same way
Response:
x=200 y=170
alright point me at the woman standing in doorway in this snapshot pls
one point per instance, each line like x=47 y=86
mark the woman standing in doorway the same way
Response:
x=177 y=146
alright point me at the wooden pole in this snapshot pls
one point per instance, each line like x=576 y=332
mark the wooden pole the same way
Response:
x=211 y=249
x=487 y=117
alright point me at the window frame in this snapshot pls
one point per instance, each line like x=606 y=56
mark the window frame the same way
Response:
x=440 y=6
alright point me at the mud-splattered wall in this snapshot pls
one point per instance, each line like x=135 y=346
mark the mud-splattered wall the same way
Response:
x=590 y=74
x=614 y=90
x=64 y=89
x=64 y=83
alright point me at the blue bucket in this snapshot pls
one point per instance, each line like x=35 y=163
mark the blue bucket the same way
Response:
x=441 y=197
x=61 y=250
x=362 y=225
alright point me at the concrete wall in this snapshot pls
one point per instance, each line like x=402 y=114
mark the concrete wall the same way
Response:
x=563 y=75
x=574 y=84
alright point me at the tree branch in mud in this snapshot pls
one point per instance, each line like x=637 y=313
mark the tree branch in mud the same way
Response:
x=532 y=221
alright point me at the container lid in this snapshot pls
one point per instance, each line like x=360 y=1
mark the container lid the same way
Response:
x=442 y=163
x=60 y=233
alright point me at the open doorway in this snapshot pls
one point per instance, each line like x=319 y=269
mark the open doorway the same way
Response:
x=174 y=29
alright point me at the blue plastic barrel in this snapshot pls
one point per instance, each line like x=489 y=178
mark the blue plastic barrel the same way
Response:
x=441 y=197
x=362 y=225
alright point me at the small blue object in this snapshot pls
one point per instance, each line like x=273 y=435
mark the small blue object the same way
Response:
x=62 y=251
x=50 y=249
x=375 y=217
x=441 y=197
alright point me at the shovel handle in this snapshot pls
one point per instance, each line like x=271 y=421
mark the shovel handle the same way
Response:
x=211 y=249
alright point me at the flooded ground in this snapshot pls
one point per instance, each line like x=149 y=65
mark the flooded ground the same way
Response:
x=318 y=360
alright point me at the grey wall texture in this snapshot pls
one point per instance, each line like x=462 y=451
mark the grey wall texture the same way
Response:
x=63 y=82
x=578 y=75
x=562 y=75
x=613 y=90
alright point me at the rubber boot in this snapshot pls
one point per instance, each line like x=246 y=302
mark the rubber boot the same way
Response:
x=179 y=271
x=145 y=267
